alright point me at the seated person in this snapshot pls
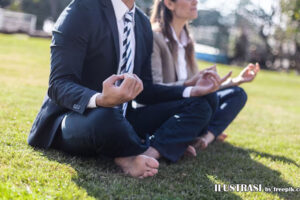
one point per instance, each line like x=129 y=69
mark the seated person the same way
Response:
x=173 y=63
x=100 y=62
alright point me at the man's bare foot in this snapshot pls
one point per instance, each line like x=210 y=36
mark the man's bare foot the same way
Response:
x=140 y=166
x=190 y=151
x=152 y=152
x=222 y=137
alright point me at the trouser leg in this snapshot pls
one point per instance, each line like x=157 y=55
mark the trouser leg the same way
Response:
x=99 y=131
x=231 y=102
x=213 y=101
x=174 y=125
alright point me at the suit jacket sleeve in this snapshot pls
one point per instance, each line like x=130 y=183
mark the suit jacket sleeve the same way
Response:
x=155 y=93
x=68 y=50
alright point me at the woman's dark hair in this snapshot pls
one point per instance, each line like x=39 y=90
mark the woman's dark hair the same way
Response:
x=160 y=19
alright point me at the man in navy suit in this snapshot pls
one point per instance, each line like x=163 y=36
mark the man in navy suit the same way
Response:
x=100 y=62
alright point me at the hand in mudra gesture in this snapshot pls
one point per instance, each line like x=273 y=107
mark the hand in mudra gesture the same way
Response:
x=248 y=74
x=209 y=82
x=193 y=80
x=113 y=94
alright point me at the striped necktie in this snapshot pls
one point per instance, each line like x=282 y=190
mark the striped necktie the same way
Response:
x=126 y=59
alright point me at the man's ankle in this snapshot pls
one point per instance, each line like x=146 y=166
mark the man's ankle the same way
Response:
x=152 y=152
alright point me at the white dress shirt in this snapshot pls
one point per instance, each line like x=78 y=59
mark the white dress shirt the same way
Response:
x=181 y=67
x=181 y=62
x=120 y=9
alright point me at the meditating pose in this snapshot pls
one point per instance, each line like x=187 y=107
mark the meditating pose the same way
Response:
x=174 y=64
x=100 y=62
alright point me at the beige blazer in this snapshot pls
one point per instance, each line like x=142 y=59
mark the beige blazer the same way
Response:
x=163 y=64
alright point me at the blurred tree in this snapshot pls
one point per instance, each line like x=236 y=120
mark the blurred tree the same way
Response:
x=5 y=3
x=40 y=8
x=145 y=5
x=43 y=9
x=257 y=28
x=291 y=10
x=212 y=19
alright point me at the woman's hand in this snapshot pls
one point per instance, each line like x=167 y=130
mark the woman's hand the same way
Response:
x=209 y=82
x=192 y=81
x=247 y=75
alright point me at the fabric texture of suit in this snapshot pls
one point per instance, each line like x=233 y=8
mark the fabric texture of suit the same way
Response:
x=84 y=52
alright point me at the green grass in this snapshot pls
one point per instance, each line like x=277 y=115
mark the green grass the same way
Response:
x=263 y=145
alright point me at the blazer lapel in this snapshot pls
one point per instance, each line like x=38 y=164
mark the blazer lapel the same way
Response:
x=138 y=43
x=111 y=18
x=174 y=67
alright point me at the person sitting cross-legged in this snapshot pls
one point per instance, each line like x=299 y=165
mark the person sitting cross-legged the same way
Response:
x=174 y=64
x=101 y=62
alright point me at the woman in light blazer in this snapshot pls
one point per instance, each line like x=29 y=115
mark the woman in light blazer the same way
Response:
x=173 y=63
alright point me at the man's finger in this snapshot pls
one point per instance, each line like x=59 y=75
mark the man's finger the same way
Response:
x=139 y=85
x=114 y=78
x=128 y=83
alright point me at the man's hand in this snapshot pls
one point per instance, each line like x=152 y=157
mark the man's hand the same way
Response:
x=247 y=75
x=113 y=95
x=208 y=83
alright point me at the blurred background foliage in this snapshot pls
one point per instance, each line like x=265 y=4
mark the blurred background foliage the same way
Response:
x=248 y=33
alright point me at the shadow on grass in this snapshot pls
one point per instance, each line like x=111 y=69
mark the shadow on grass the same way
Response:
x=188 y=179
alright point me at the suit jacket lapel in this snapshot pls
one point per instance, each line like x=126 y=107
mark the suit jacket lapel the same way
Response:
x=111 y=18
x=138 y=43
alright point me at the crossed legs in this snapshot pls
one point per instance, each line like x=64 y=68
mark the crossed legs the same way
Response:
x=173 y=126
x=226 y=105
x=105 y=131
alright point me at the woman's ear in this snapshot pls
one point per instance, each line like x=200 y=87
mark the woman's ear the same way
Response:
x=169 y=4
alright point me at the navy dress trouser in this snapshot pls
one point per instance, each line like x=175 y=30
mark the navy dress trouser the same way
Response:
x=172 y=127
x=229 y=102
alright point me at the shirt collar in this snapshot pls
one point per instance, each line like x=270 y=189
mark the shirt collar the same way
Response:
x=121 y=9
x=183 y=38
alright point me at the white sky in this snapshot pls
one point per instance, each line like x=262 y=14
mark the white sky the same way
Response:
x=226 y=6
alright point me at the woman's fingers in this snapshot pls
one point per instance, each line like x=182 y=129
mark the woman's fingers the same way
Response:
x=226 y=77
x=257 y=67
x=215 y=83
x=213 y=68
x=213 y=74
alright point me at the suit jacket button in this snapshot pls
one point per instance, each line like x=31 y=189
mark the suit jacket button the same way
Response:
x=76 y=107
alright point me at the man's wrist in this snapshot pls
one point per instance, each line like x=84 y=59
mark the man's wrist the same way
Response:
x=99 y=100
x=92 y=102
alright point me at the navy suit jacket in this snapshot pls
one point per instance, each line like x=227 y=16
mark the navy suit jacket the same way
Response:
x=84 y=52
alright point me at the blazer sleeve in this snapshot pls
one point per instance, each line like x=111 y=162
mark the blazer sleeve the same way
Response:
x=68 y=49
x=157 y=64
x=155 y=93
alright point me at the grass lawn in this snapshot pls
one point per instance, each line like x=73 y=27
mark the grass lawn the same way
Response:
x=263 y=145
